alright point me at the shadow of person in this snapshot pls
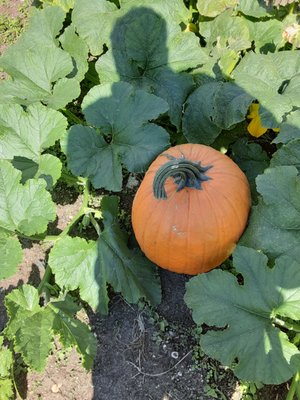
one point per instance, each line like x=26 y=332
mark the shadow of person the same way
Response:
x=152 y=54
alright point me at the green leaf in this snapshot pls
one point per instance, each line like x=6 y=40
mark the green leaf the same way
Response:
x=49 y=168
x=28 y=167
x=289 y=129
x=28 y=133
x=29 y=326
x=37 y=66
x=6 y=361
x=274 y=224
x=89 y=266
x=6 y=389
x=255 y=8
x=212 y=107
x=10 y=256
x=34 y=205
x=288 y=154
x=212 y=9
x=268 y=78
x=66 y=5
x=228 y=30
x=267 y=35
x=198 y=120
x=78 y=50
x=249 y=341
x=122 y=114
x=73 y=332
x=149 y=54
x=95 y=20
x=252 y=160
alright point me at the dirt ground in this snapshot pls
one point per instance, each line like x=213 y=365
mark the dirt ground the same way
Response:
x=143 y=354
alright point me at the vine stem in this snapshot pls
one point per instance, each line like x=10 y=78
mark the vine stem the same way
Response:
x=72 y=116
x=294 y=386
x=287 y=325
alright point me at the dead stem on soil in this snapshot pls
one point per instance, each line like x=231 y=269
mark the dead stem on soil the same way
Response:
x=159 y=374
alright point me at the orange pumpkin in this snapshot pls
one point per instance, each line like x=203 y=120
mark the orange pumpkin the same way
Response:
x=191 y=209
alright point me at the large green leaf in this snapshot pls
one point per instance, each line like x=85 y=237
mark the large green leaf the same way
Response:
x=37 y=66
x=274 y=224
x=272 y=79
x=126 y=137
x=73 y=332
x=212 y=107
x=29 y=326
x=10 y=256
x=89 y=266
x=28 y=133
x=249 y=342
x=25 y=208
x=151 y=55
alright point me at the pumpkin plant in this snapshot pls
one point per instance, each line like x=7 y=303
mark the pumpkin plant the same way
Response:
x=99 y=89
x=191 y=208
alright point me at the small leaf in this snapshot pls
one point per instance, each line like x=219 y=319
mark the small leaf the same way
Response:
x=66 y=5
x=6 y=362
x=73 y=332
x=35 y=207
x=78 y=50
x=6 y=389
x=267 y=34
x=198 y=121
x=288 y=154
x=289 y=129
x=256 y=8
x=50 y=168
x=227 y=30
x=11 y=255
x=89 y=266
x=249 y=341
x=252 y=160
x=122 y=114
x=212 y=9
x=29 y=326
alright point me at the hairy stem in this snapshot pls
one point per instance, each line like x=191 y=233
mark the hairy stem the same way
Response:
x=287 y=325
x=45 y=279
x=294 y=386
x=72 y=117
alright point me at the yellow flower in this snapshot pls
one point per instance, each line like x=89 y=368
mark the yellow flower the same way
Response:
x=255 y=127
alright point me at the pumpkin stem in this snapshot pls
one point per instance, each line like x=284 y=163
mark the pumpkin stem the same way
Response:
x=185 y=173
